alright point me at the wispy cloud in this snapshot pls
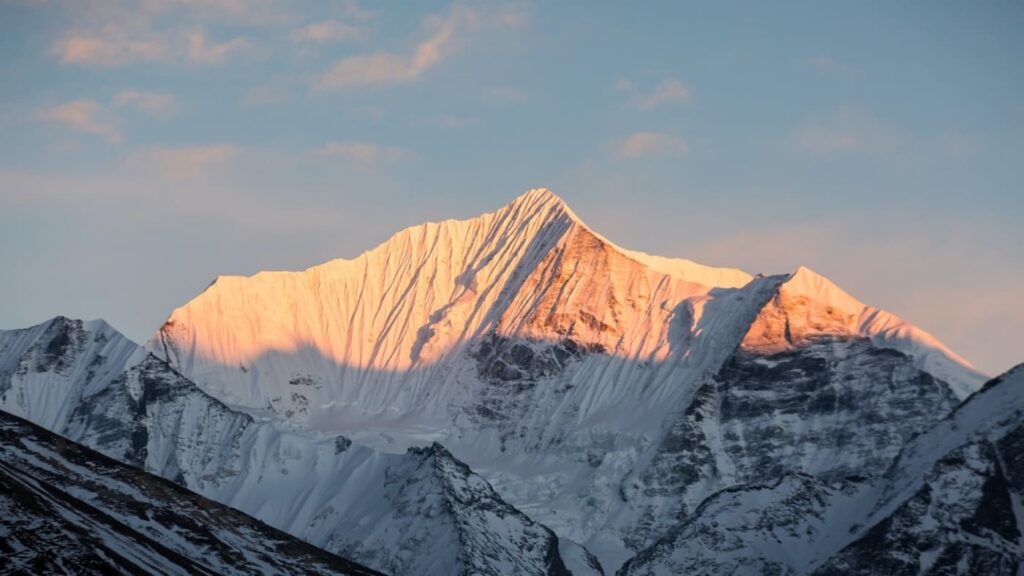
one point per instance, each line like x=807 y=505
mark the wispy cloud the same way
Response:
x=651 y=144
x=456 y=121
x=276 y=90
x=825 y=64
x=148 y=102
x=326 y=32
x=506 y=94
x=362 y=153
x=108 y=33
x=353 y=10
x=201 y=50
x=109 y=48
x=381 y=68
x=388 y=67
x=83 y=116
x=185 y=162
x=669 y=90
x=848 y=129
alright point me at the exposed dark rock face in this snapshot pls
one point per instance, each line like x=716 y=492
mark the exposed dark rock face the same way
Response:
x=515 y=370
x=949 y=503
x=501 y=359
x=477 y=510
x=835 y=408
x=118 y=422
x=960 y=522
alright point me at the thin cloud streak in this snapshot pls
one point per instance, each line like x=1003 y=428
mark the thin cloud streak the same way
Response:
x=848 y=129
x=651 y=144
x=327 y=32
x=362 y=153
x=202 y=51
x=446 y=35
x=183 y=163
x=668 y=91
x=112 y=48
x=148 y=102
x=83 y=116
x=387 y=67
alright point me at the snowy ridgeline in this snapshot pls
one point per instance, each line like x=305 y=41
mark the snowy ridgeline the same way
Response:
x=668 y=416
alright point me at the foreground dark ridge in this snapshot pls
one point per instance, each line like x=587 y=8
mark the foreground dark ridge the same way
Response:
x=67 y=509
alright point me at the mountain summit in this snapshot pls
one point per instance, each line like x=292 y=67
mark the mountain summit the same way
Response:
x=577 y=376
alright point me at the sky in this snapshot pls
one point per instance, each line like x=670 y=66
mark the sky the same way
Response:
x=147 y=147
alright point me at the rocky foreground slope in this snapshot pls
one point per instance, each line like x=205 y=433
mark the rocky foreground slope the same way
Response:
x=65 y=509
x=418 y=512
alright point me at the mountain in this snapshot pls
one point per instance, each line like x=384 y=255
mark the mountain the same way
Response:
x=603 y=392
x=949 y=504
x=67 y=509
x=416 y=512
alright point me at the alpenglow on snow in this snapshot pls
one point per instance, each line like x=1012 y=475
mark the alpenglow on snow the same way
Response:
x=514 y=393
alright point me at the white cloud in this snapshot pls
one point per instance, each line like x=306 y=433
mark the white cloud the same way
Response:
x=110 y=48
x=651 y=144
x=327 y=31
x=84 y=116
x=389 y=68
x=848 y=129
x=202 y=51
x=148 y=102
x=669 y=90
x=363 y=153
x=396 y=68
x=111 y=33
x=185 y=162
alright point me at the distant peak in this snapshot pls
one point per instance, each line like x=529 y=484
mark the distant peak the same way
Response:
x=540 y=195
x=542 y=202
x=805 y=273
x=809 y=280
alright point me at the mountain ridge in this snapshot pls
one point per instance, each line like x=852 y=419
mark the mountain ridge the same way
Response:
x=528 y=344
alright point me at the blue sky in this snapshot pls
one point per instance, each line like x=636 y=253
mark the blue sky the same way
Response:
x=146 y=147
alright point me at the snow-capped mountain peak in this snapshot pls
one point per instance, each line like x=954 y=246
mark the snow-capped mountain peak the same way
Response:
x=809 y=306
x=530 y=345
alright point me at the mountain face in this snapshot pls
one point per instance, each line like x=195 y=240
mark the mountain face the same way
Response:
x=607 y=394
x=516 y=394
x=950 y=503
x=67 y=509
x=418 y=512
